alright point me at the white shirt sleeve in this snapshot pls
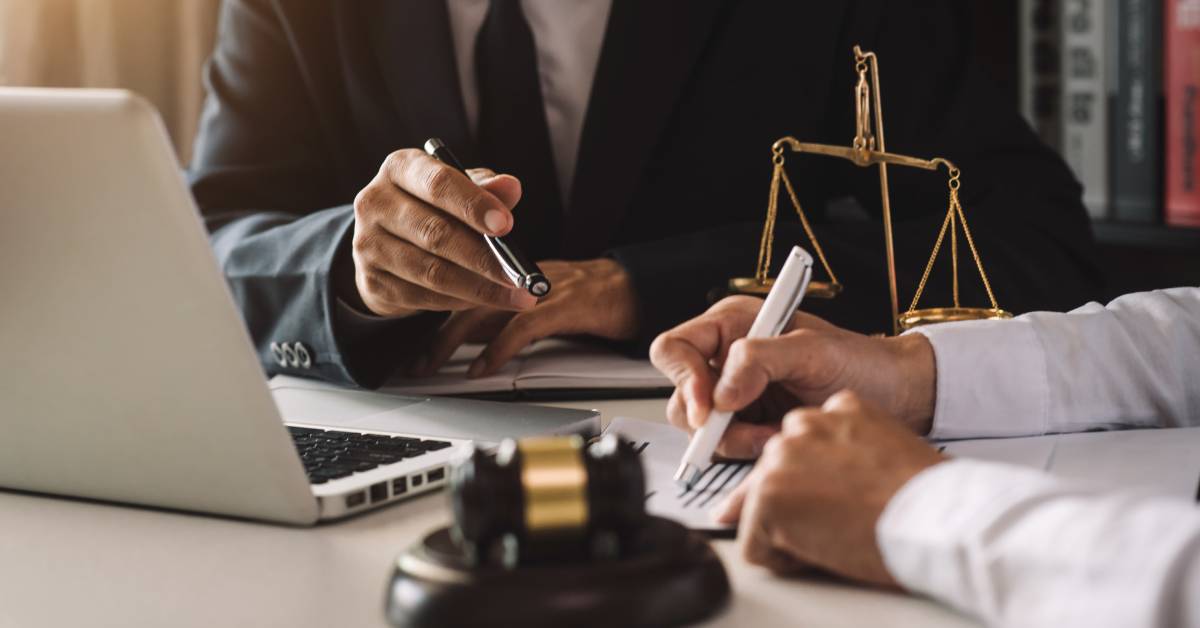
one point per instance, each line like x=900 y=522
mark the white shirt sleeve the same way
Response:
x=1133 y=363
x=1018 y=547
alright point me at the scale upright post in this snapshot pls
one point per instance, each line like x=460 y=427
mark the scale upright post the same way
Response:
x=862 y=59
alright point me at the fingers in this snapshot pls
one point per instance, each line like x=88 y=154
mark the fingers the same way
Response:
x=808 y=422
x=677 y=411
x=440 y=185
x=388 y=295
x=431 y=230
x=523 y=330
x=456 y=331
x=505 y=187
x=458 y=287
x=754 y=535
x=729 y=511
x=755 y=362
x=745 y=441
x=687 y=353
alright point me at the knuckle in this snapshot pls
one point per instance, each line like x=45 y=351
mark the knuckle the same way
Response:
x=796 y=420
x=484 y=260
x=741 y=351
x=373 y=284
x=802 y=423
x=660 y=349
x=438 y=181
x=846 y=399
x=771 y=452
x=475 y=204
x=433 y=233
x=365 y=241
x=738 y=302
x=366 y=201
x=398 y=160
x=436 y=273
x=396 y=165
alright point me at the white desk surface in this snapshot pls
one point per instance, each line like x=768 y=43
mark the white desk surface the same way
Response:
x=66 y=563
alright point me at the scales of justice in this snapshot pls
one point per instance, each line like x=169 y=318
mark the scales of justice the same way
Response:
x=867 y=150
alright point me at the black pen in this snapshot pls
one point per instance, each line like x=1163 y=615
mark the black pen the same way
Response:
x=524 y=273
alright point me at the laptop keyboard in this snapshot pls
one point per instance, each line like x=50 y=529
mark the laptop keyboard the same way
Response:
x=329 y=454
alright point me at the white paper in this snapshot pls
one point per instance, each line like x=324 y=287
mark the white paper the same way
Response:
x=1160 y=461
x=662 y=448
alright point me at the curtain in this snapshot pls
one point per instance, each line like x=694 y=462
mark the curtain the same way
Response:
x=156 y=48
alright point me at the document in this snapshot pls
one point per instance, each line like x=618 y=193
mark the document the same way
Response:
x=1160 y=461
x=662 y=446
x=547 y=368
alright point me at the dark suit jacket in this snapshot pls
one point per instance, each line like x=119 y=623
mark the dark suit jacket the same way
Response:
x=309 y=96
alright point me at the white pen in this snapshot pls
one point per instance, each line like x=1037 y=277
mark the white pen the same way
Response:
x=777 y=310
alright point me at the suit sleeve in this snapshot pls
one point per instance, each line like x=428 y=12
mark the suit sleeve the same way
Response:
x=1022 y=204
x=279 y=219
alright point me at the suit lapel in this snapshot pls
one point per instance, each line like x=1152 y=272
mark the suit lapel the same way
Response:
x=412 y=41
x=649 y=51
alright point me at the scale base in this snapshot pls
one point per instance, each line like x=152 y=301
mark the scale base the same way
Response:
x=754 y=287
x=671 y=577
x=933 y=315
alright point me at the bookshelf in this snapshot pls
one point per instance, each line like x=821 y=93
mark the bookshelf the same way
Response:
x=1154 y=236
x=1134 y=257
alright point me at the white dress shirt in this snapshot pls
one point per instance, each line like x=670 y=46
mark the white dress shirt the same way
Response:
x=1018 y=547
x=568 y=35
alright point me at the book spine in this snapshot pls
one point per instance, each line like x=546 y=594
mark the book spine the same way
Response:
x=1183 y=112
x=1040 y=68
x=1084 y=100
x=1136 y=88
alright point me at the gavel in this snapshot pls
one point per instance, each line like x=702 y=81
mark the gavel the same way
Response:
x=547 y=499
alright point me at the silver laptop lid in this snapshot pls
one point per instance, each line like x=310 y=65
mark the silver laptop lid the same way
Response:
x=128 y=374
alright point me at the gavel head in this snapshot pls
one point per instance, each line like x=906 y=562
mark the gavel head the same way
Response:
x=548 y=499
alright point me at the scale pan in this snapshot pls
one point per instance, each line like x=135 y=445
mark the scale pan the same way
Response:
x=933 y=315
x=754 y=287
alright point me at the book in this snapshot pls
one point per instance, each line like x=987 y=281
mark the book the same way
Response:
x=551 y=368
x=1085 y=100
x=1135 y=120
x=1182 y=87
x=1041 y=61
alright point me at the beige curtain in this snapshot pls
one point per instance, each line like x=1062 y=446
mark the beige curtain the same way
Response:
x=154 y=47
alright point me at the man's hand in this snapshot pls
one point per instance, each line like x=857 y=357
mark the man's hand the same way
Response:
x=713 y=365
x=593 y=297
x=816 y=495
x=418 y=241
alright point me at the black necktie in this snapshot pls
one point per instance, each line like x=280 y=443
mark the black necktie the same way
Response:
x=513 y=136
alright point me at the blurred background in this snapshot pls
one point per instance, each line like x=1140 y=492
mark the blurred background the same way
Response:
x=154 y=47
x=1042 y=55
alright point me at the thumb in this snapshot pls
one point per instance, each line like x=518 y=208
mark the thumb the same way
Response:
x=505 y=187
x=753 y=363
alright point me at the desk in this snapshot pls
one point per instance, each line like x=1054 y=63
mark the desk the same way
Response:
x=67 y=563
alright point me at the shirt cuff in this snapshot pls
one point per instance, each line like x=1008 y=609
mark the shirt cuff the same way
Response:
x=928 y=530
x=991 y=379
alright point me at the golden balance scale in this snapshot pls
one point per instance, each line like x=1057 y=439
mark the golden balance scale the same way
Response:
x=868 y=150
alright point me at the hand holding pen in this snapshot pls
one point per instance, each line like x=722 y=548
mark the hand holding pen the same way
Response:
x=418 y=242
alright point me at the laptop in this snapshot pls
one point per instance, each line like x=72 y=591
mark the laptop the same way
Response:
x=128 y=374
